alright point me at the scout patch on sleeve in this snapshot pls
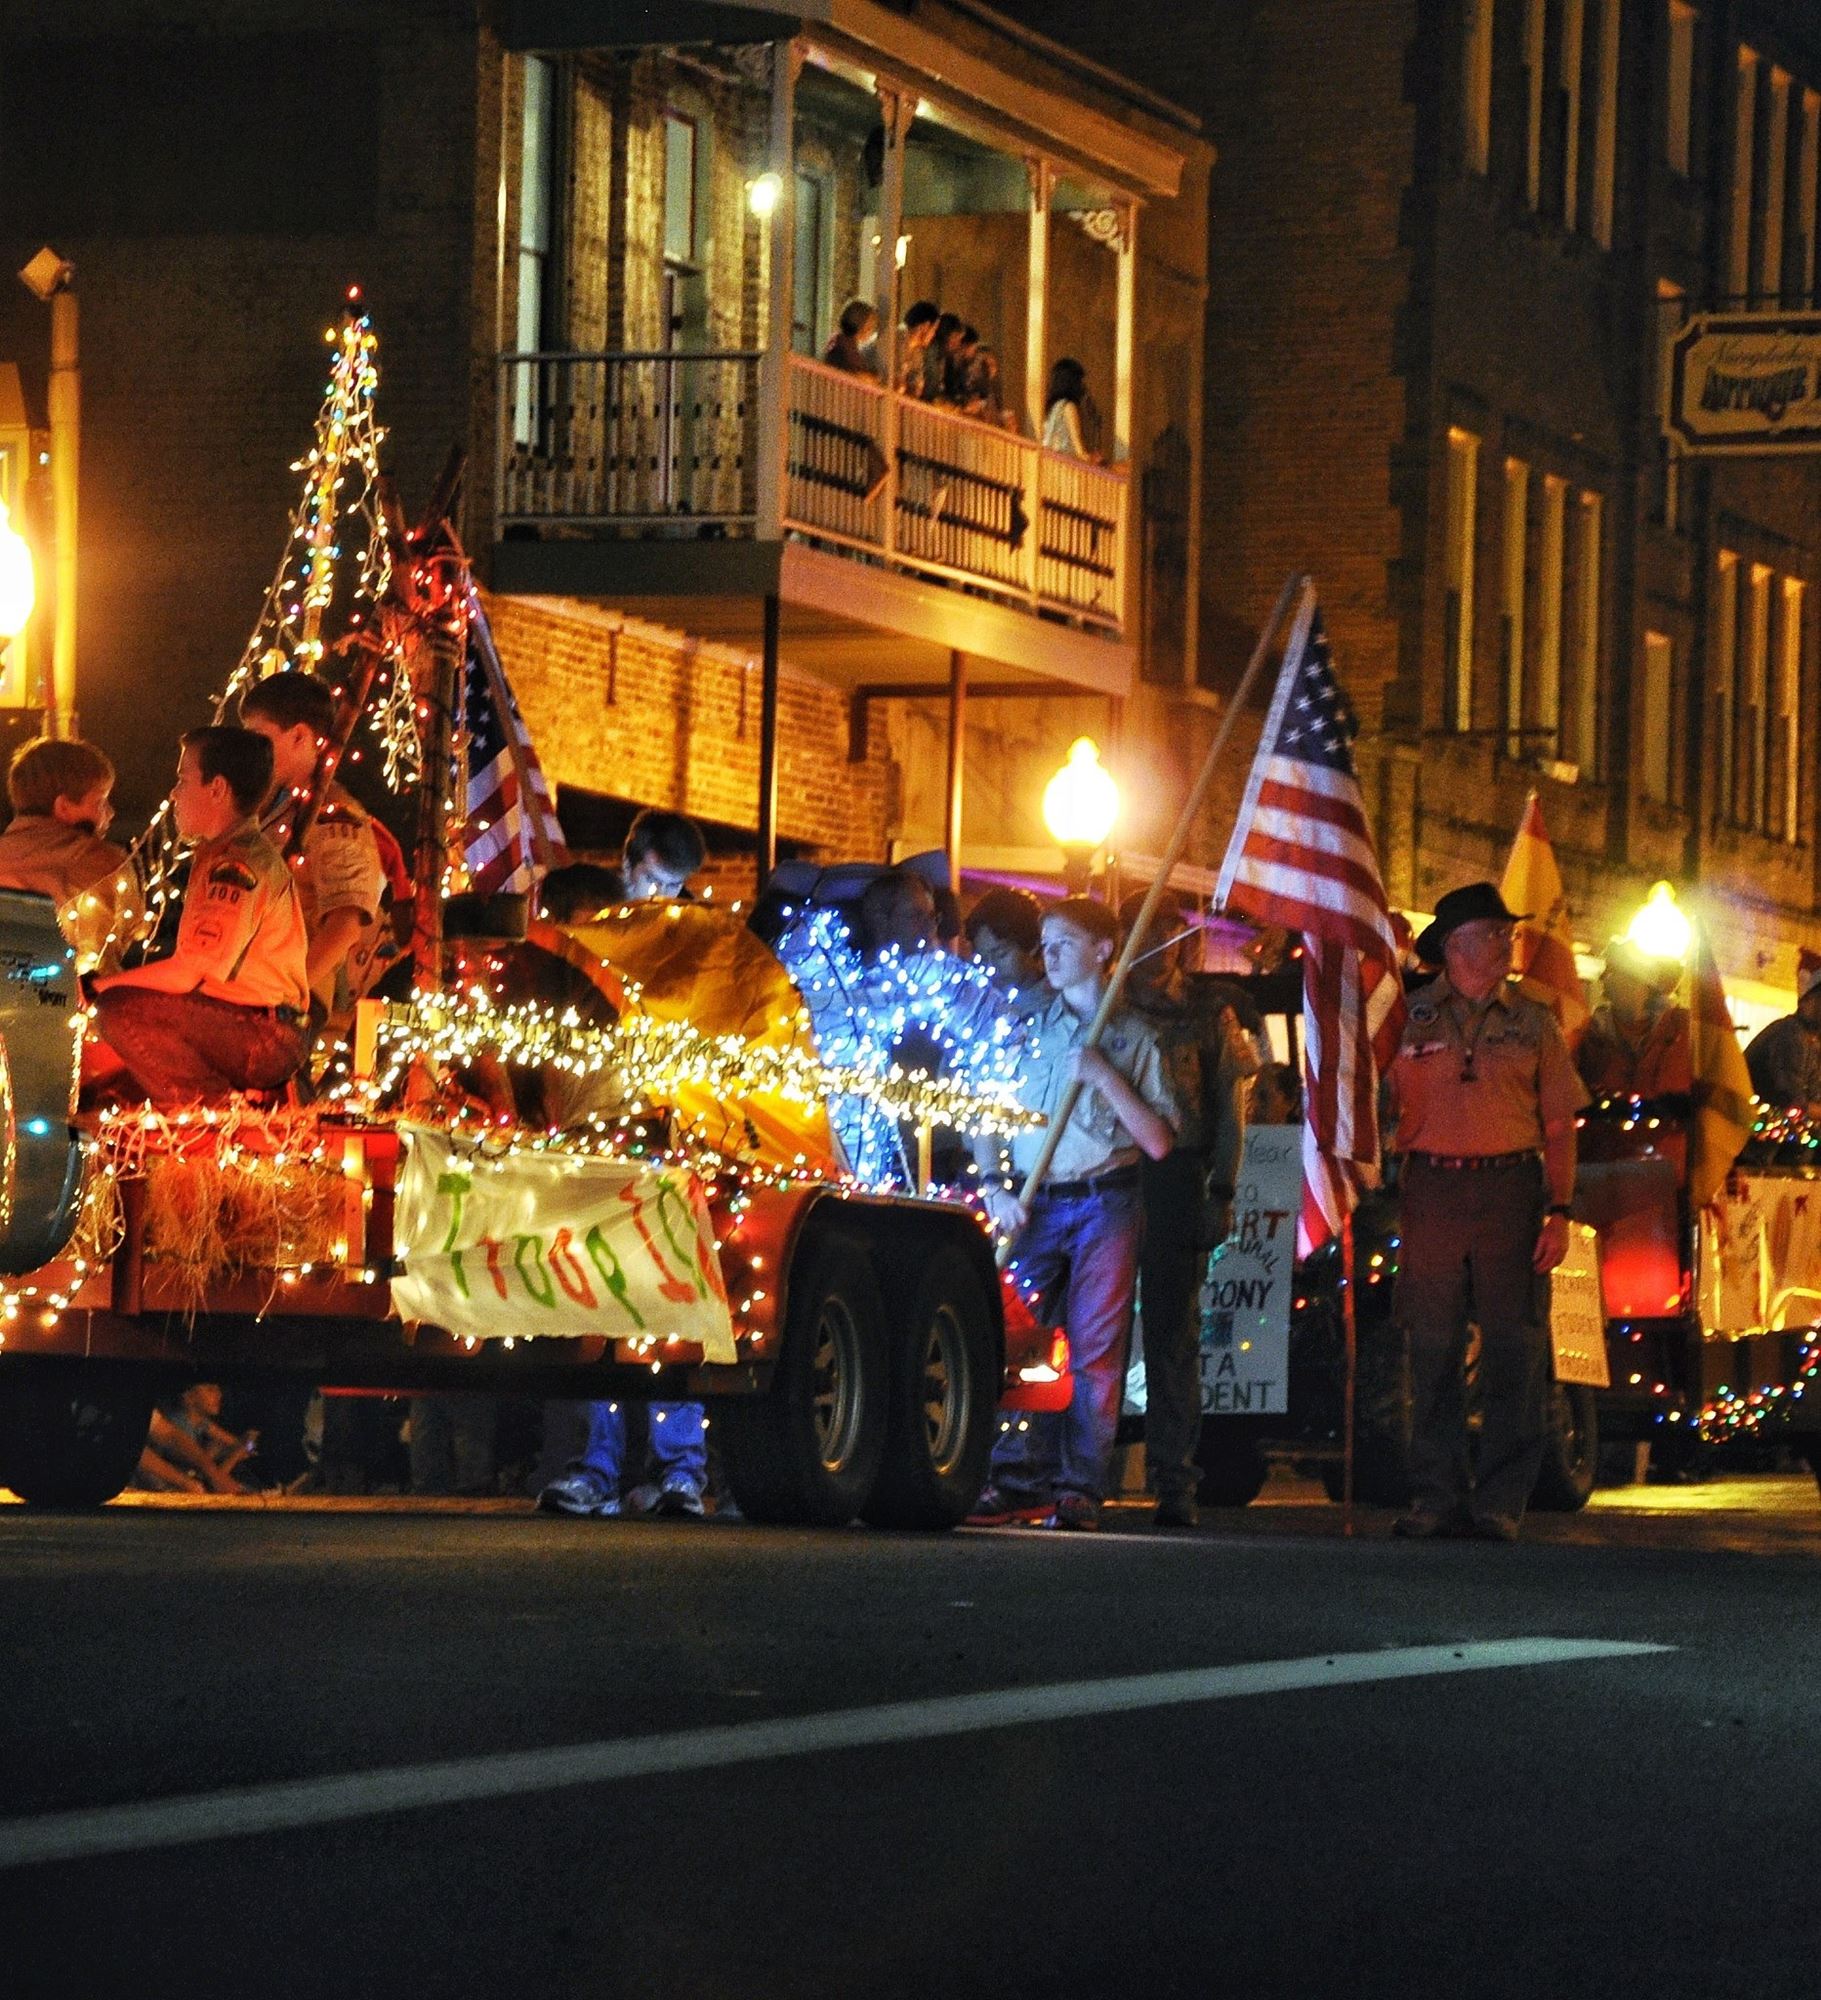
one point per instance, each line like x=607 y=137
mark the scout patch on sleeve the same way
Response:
x=1422 y=1012
x=230 y=880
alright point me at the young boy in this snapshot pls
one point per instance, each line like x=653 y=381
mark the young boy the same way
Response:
x=229 y=1009
x=341 y=877
x=1076 y=1248
x=60 y=797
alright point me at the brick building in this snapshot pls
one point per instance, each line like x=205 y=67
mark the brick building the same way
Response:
x=604 y=248
x=1449 y=239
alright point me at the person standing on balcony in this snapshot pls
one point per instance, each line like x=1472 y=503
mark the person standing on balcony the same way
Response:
x=942 y=360
x=854 y=348
x=1070 y=422
x=914 y=337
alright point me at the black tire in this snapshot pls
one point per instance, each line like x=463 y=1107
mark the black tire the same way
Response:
x=944 y=1402
x=808 y=1450
x=70 y=1442
x=1233 y=1467
x=1571 y=1449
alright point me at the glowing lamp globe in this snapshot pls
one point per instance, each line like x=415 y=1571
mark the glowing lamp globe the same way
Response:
x=18 y=588
x=1081 y=802
x=1659 y=929
x=762 y=194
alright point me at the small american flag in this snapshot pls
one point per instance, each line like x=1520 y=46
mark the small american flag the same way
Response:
x=1301 y=857
x=511 y=837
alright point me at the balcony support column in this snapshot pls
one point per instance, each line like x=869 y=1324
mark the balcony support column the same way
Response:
x=895 y=113
x=957 y=736
x=1037 y=289
x=780 y=241
x=768 y=746
x=1124 y=325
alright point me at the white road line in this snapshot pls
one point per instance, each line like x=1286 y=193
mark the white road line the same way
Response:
x=260 y=1809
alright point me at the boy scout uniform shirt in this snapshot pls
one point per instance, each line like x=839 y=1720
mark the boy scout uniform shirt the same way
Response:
x=49 y=857
x=1481 y=1080
x=1094 y=1141
x=341 y=870
x=243 y=924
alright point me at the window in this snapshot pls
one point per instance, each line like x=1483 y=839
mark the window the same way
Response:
x=1463 y=476
x=536 y=233
x=1574 y=26
x=1580 y=734
x=1776 y=166
x=1511 y=600
x=1551 y=568
x=1745 y=118
x=1680 y=102
x=1476 y=83
x=1786 y=789
x=1658 y=718
x=1725 y=680
x=1752 y=787
x=1605 y=123
x=1535 y=22
x=679 y=188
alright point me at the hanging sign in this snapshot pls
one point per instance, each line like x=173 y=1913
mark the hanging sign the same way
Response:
x=555 y=1244
x=1746 y=382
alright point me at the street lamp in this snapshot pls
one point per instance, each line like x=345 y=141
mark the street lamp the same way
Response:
x=1080 y=804
x=1660 y=930
x=52 y=279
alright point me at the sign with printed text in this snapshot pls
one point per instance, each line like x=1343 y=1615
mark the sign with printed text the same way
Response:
x=1746 y=382
x=1577 y=1312
x=1245 y=1298
x=555 y=1244
x=1759 y=1268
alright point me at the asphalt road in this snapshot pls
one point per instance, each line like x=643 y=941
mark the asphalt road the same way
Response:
x=854 y=1764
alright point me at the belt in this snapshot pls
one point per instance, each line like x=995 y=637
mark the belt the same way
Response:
x=1120 y=1177
x=1471 y=1162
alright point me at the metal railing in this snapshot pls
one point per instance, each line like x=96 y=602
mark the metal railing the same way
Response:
x=637 y=440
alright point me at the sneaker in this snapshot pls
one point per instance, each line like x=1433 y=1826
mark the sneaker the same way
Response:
x=997 y=1508
x=680 y=1498
x=1177 y=1510
x=1077 y=1512
x=585 y=1494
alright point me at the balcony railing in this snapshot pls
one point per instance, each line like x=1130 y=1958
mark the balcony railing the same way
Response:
x=653 y=441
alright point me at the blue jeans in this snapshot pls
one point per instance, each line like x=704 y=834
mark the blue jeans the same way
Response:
x=679 y=1442
x=1078 y=1255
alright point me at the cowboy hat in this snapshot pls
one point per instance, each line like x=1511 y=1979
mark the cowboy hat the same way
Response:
x=1478 y=902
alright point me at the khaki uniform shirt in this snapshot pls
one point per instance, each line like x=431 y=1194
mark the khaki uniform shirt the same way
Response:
x=1095 y=1141
x=341 y=870
x=46 y=856
x=243 y=924
x=1480 y=1080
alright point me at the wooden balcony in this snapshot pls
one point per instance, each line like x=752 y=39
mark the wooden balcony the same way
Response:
x=677 y=447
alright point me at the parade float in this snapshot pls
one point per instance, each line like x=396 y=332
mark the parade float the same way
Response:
x=589 y=1161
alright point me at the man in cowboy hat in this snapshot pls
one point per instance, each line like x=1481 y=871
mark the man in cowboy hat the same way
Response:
x=1785 y=1059
x=1484 y=1094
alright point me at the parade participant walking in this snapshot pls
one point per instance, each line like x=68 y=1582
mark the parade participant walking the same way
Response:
x=1188 y=1194
x=662 y=851
x=1075 y=1251
x=1485 y=1095
x=1785 y=1058
x=228 y=1010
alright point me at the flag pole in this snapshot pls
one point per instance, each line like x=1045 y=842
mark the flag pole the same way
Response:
x=1297 y=587
x=1350 y=1388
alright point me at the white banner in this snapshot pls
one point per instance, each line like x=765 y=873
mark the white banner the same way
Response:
x=555 y=1244
x=1245 y=1301
x=1760 y=1252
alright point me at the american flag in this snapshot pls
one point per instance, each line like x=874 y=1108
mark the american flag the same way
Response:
x=1301 y=857
x=511 y=837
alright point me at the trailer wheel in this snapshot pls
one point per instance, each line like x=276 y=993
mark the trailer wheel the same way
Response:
x=70 y=1442
x=944 y=1397
x=1571 y=1449
x=808 y=1450
x=1233 y=1469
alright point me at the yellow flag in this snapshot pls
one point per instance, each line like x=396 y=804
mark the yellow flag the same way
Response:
x=1544 y=951
x=1722 y=1084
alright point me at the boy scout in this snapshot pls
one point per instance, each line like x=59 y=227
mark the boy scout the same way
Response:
x=1485 y=1095
x=342 y=878
x=59 y=790
x=228 y=1009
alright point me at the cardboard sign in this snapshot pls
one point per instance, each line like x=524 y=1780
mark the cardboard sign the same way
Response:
x=1577 y=1312
x=1760 y=1256
x=555 y=1244
x=1245 y=1298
